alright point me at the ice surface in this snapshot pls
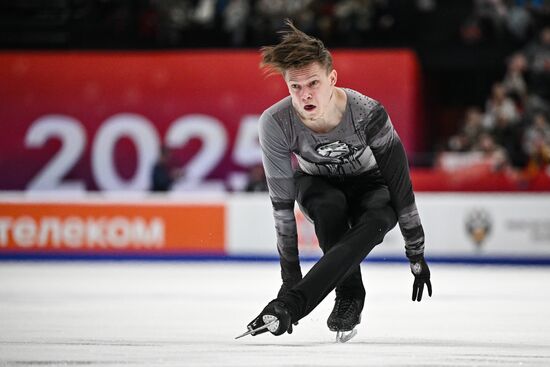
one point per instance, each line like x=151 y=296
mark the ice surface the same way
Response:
x=187 y=314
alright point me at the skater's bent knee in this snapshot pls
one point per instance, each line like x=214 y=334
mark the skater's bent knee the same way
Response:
x=328 y=207
x=383 y=220
x=386 y=219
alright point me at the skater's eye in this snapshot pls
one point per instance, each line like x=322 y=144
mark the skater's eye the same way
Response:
x=314 y=83
x=295 y=86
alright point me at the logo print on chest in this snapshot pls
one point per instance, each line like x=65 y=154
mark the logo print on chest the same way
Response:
x=335 y=149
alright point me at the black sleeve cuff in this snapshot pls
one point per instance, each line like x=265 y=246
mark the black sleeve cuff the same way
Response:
x=416 y=258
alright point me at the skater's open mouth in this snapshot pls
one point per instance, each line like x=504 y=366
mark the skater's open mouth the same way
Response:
x=309 y=107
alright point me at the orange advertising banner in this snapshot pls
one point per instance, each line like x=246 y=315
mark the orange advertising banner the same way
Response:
x=110 y=227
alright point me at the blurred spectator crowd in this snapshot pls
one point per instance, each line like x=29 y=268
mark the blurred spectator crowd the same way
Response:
x=510 y=133
x=249 y=23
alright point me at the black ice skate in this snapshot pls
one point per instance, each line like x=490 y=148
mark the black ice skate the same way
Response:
x=345 y=315
x=274 y=318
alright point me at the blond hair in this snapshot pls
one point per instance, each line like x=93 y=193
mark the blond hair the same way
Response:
x=295 y=50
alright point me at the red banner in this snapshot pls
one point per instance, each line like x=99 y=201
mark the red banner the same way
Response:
x=89 y=121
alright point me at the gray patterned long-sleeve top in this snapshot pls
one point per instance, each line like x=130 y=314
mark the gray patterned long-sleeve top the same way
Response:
x=364 y=140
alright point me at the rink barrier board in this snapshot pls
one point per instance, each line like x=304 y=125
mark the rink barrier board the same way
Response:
x=455 y=225
x=460 y=228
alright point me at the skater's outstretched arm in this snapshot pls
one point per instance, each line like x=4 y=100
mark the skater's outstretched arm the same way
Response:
x=276 y=158
x=394 y=167
x=393 y=164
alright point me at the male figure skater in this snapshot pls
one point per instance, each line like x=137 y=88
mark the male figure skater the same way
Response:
x=352 y=181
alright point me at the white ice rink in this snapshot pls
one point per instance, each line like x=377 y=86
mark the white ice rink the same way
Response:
x=187 y=314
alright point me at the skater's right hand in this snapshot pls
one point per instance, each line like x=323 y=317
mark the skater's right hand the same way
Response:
x=274 y=309
x=421 y=273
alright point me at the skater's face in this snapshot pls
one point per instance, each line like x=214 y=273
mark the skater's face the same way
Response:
x=311 y=88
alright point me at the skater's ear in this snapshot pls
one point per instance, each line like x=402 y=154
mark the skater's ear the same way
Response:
x=333 y=77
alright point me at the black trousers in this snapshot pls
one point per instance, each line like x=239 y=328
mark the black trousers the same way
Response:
x=351 y=216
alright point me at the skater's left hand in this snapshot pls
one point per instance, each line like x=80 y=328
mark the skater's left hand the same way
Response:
x=421 y=273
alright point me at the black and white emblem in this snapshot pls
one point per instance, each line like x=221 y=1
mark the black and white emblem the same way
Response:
x=335 y=149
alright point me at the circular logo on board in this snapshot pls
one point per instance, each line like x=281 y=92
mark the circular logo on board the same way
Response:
x=478 y=225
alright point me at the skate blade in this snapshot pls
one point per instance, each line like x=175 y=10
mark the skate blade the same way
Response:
x=265 y=326
x=344 y=336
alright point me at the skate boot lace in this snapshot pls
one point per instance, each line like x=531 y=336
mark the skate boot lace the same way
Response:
x=346 y=307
